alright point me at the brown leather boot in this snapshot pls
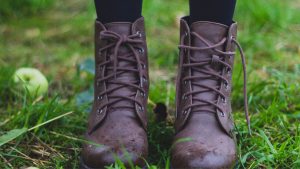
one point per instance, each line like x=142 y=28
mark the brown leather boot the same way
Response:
x=204 y=137
x=117 y=124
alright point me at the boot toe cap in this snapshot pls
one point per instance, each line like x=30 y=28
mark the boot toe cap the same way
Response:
x=210 y=160
x=195 y=155
x=116 y=139
x=101 y=156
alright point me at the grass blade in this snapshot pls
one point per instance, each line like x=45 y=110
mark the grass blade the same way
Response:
x=49 y=121
x=11 y=135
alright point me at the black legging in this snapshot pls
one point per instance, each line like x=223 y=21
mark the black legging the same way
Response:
x=118 y=10
x=220 y=11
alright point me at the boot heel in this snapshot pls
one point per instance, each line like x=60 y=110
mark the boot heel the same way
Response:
x=83 y=166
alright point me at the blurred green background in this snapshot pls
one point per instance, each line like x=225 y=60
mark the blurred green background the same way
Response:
x=56 y=37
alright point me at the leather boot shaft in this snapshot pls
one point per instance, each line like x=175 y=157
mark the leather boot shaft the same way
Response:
x=120 y=32
x=221 y=65
x=118 y=121
x=203 y=97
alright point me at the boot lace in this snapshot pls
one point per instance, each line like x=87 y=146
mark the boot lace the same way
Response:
x=115 y=41
x=210 y=73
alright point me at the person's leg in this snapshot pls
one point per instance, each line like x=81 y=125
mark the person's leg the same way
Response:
x=203 y=96
x=220 y=11
x=118 y=10
x=118 y=120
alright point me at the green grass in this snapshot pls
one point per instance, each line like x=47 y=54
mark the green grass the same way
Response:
x=61 y=38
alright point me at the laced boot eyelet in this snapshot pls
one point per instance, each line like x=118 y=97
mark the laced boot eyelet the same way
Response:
x=222 y=114
x=185 y=50
x=100 y=97
x=185 y=112
x=141 y=50
x=141 y=82
x=228 y=71
x=231 y=38
x=226 y=85
x=144 y=79
x=139 y=34
x=100 y=111
x=224 y=100
x=143 y=66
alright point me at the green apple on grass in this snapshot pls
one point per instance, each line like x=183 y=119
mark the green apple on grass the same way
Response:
x=31 y=79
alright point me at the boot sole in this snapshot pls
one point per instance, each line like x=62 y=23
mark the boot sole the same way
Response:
x=233 y=167
x=82 y=165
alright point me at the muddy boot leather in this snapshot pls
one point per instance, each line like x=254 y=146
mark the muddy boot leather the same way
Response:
x=117 y=124
x=204 y=124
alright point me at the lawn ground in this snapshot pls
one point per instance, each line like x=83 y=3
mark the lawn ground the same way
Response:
x=59 y=42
